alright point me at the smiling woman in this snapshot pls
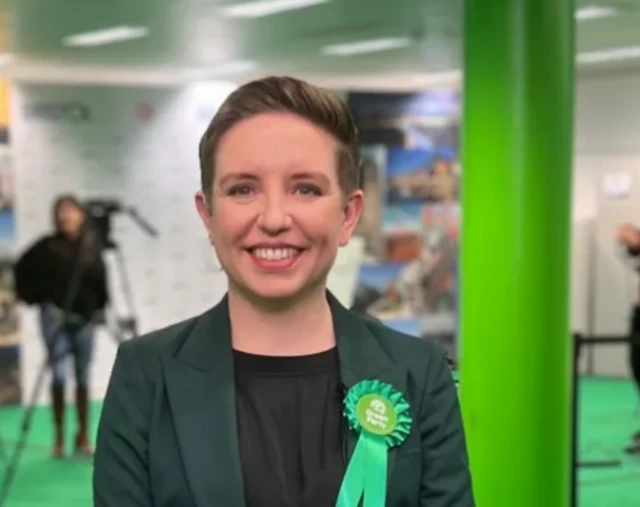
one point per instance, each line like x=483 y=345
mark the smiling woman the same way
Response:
x=270 y=397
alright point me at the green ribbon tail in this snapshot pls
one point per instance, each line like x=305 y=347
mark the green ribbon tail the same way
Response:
x=353 y=483
x=366 y=474
x=375 y=480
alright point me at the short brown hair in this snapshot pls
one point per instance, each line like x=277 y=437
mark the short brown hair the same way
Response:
x=288 y=95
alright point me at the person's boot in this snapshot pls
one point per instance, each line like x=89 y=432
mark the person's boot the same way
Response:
x=82 y=438
x=634 y=448
x=58 y=405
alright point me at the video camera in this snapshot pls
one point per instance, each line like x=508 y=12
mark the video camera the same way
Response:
x=100 y=212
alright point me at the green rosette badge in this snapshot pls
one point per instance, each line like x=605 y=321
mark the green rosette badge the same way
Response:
x=380 y=415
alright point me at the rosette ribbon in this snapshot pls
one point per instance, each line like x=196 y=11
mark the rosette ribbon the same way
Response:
x=380 y=415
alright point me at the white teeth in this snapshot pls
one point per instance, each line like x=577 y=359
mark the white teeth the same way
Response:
x=274 y=254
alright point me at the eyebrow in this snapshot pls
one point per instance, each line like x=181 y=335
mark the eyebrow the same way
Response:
x=309 y=175
x=305 y=175
x=238 y=176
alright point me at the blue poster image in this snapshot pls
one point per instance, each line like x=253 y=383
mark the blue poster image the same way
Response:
x=418 y=175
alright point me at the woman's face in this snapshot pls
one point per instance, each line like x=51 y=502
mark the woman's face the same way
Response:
x=70 y=218
x=278 y=214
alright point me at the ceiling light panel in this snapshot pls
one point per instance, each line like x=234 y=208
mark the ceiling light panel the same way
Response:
x=366 y=46
x=595 y=12
x=106 y=36
x=261 y=8
x=609 y=55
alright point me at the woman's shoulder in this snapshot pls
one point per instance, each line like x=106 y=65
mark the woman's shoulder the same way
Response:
x=147 y=348
x=39 y=244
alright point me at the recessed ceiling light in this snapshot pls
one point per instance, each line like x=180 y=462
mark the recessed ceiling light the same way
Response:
x=366 y=46
x=609 y=55
x=106 y=36
x=260 y=8
x=595 y=12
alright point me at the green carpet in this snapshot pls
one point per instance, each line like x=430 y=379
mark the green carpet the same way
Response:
x=608 y=415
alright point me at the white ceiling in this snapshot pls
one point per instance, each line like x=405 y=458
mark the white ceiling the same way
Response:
x=189 y=39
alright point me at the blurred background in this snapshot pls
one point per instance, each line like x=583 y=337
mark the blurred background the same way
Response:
x=108 y=100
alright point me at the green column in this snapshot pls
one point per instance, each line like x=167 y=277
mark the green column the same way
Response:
x=517 y=156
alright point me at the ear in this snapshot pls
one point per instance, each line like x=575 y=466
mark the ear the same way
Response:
x=202 y=205
x=351 y=214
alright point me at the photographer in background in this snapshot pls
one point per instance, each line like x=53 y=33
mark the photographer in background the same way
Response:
x=629 y=237
x=65 y=271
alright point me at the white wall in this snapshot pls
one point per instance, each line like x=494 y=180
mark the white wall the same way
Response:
x=140 y=146
x=607 y=142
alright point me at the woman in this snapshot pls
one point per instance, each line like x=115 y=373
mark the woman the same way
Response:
x=64 y=273
x=243 y=405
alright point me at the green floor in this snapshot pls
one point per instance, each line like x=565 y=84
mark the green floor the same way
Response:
x=609 y=413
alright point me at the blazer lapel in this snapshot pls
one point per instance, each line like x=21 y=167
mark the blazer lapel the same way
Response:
x=200 y=387
x=363 y=358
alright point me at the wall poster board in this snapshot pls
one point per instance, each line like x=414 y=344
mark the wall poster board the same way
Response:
x=410 y=226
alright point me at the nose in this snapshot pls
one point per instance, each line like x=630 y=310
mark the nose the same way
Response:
x=274 y=217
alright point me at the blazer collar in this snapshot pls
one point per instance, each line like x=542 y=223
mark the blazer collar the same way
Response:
x=362 y=356
x=201 y=390
x=208 y=346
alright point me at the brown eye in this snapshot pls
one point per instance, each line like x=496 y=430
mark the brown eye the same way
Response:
x=241 y=191
x=308 y=190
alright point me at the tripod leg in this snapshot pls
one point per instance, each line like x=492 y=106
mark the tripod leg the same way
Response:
x=22 y=440
x=129 y=324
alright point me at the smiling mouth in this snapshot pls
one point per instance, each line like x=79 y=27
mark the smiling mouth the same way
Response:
x=275 y=254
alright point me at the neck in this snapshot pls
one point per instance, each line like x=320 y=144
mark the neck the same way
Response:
x=301 y=328
x=71 y=235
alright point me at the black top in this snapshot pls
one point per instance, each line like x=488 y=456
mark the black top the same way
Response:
x=44 y=272
x=290 y=428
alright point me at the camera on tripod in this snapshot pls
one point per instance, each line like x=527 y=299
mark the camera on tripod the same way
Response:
x=100 y=212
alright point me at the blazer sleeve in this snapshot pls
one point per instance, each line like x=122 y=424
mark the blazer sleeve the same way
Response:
x=120 y=473
x=446 y=479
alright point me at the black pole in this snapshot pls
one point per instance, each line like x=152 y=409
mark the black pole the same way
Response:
x=575 y=406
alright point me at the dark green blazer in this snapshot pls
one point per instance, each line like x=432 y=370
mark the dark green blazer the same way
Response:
x=168 y=438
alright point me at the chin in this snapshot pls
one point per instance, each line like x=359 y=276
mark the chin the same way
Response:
x=277 y=291
x=289 y=284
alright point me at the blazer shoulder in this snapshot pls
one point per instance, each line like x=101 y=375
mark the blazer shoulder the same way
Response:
x=147 y=348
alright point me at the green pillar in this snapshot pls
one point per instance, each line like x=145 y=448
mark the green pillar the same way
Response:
x=517 y=156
